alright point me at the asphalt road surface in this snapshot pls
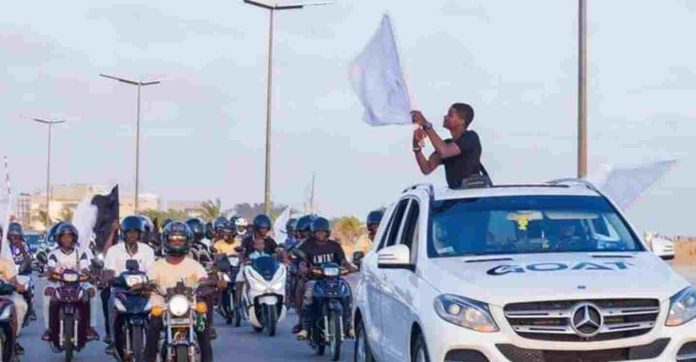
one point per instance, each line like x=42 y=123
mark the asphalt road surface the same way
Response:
x=232 y=344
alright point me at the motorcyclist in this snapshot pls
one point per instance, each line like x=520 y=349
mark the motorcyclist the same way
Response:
x=166 y=273
x=9 y=275
x=132 y=248
x=319 y=250
x=290 y=241
x=66 y=256
x=373 y=220
x=242 y=226
x=261 y=225
x=200 y=248
x=297 y=269
x=226 y=242
x=23 y=260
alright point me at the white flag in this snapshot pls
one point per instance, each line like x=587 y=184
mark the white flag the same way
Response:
x=84 y=219
x=279 y=231
x=378 y=81
x=624 y=185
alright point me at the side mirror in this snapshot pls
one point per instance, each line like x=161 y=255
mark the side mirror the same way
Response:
x=395 y=257
x=98 y=263
x=132 y=265
x=358 y=257
x=299 y=254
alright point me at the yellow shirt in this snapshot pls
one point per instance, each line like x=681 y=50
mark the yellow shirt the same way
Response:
x=168 y=275
x=7 y=269
x=223 y=247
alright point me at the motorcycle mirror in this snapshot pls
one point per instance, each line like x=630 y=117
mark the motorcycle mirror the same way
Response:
x=358 y=256
x=132 y=265
x=97 y=263
x=300 y=254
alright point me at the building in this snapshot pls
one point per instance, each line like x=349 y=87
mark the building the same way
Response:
x=23 y=211
x=189 y=207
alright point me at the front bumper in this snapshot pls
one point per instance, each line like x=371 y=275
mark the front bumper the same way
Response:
x=448 y=342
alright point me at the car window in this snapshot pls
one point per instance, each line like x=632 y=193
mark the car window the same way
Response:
x=395 y=223
x=410 y=223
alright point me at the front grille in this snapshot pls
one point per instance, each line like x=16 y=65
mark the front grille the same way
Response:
x=648 y=351
x=552 y=321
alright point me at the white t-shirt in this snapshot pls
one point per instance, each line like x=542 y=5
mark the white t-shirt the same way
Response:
x=58 y=260
x=117 y=256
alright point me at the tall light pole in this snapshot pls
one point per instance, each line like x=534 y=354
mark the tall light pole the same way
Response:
x=50 y=124
x=269 y=84
x=139 y=84
x=582 y=88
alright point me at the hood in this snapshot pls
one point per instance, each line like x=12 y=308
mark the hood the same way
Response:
x=499 y=280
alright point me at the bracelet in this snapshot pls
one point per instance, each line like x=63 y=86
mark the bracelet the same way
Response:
x=427 y=126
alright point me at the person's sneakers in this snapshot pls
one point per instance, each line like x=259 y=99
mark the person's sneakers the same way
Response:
x=19 y=349
x=302 y=335
x=297 y=328
x=92 y=335
x=46 y=336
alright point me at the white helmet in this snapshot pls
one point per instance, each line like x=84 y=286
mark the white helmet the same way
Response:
x=241 y=225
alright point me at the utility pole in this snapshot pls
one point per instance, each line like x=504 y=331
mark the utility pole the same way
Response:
x=582 y=89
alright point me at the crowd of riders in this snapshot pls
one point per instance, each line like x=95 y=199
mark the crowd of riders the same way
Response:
x=181 y=254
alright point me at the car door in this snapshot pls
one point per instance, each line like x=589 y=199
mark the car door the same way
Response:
x=371 y=278
x=398 y=297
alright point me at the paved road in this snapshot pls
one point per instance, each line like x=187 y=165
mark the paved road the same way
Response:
x=232 y=344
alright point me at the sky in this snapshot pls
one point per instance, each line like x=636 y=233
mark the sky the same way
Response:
x=203 y=127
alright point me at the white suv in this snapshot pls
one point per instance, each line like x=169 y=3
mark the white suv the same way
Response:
x=549 y=272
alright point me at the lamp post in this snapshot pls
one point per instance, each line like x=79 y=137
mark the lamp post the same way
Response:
x=582 y=88
x=50 y=124
x=269 y=84
x=139 y=84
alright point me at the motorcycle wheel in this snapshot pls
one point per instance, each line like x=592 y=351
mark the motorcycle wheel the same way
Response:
x=182 y=354
x=336 y=336
x=270 y=319
x=137 y=344
x=68 y=335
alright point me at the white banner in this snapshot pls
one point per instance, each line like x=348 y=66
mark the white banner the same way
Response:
x=279 y=232
x=624 y=185
x=378 y=81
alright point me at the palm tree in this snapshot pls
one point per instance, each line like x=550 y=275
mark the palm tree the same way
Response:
x=66 y=214
x=42 y=217
x=211 y=209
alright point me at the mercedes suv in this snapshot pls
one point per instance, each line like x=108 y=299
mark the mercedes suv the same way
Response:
x=549 y=272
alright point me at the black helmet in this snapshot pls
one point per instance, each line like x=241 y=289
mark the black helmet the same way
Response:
x=66 y=228
x=304 y=223
x=262 y=222
x=176 y=229
x=374 y=217
x=290 y=226
x=321 y=224
x=220 y=224
x=233 y=224
x=132 y=222
x=197 y=227
x=15 y=228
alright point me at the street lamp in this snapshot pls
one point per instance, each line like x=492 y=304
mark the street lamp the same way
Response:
x=139 y=84
x=271 y=10
x=582 y=88
x=50 y=124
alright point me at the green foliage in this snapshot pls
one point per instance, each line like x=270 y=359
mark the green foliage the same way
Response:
x=211 y=209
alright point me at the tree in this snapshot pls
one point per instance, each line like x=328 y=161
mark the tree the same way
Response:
x=211 y=209
x=66 y=213
x=42 y=217
x=249 y=211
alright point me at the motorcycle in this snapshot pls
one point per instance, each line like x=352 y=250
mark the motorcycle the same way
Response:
x=7 y=333
x=132 y=302
x=24 y=270
x=182 y=316
x=264 y=293
x=228 y=267
x=331 y=296
x=69 y=313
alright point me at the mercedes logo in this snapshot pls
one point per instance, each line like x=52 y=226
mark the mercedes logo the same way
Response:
x=587 y=320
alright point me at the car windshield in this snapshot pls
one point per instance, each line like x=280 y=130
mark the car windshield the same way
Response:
x=527 y=224
x=32 y=239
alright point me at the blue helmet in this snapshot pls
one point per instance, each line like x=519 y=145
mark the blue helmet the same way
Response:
x=262 y=222
x=197 y=227
x=177 y=230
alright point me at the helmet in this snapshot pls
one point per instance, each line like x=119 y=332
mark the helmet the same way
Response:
x=262 y=222
x=51 y=234
x=15 y=228
x=66 y=228
x=197 y=227
x=305 y=223
x=176 y=229
x=209 y=232
x=166 y=222
x=290 y=226
x=321 y=224
x=233 y=224
x=221 y=224
x=147 y=223
x=132 y=222
x=374 y=217
x=241 y=225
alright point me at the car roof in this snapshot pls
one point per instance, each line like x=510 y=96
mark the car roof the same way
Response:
x=547 y=189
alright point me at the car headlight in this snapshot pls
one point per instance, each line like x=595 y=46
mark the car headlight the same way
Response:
x=133 y=280
x=331 y=271
x=683 y=308
x=178 y=305
x=465 y=313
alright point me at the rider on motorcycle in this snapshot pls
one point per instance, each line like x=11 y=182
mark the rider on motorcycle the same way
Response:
x=9 y=275
x=133 y=248
x=226 y=242
x=297 y=269
x=290 y=241
x=23 y=260
x=66 y=256
x=243 y=230
x=319 y=250
x=166 y=273
x=262 y=225
x=200 y=248
x=373 y=220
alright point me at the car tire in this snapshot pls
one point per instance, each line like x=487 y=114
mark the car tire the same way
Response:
x=361 y=351
x=420 y=350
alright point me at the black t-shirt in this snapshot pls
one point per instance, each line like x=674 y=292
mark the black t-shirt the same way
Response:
x=465 y=164
x=318 y=254
x=248 y=245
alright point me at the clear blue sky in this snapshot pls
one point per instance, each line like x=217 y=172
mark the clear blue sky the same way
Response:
x=203 y=129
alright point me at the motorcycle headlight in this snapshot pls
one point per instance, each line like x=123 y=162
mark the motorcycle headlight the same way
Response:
x=70 y=277
x=100 y=256
x=331 y=271
x=465 y=312
x=683 y=308
x=234 y=261
x=133 y=280
x=6 y=313
x=178 y=305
